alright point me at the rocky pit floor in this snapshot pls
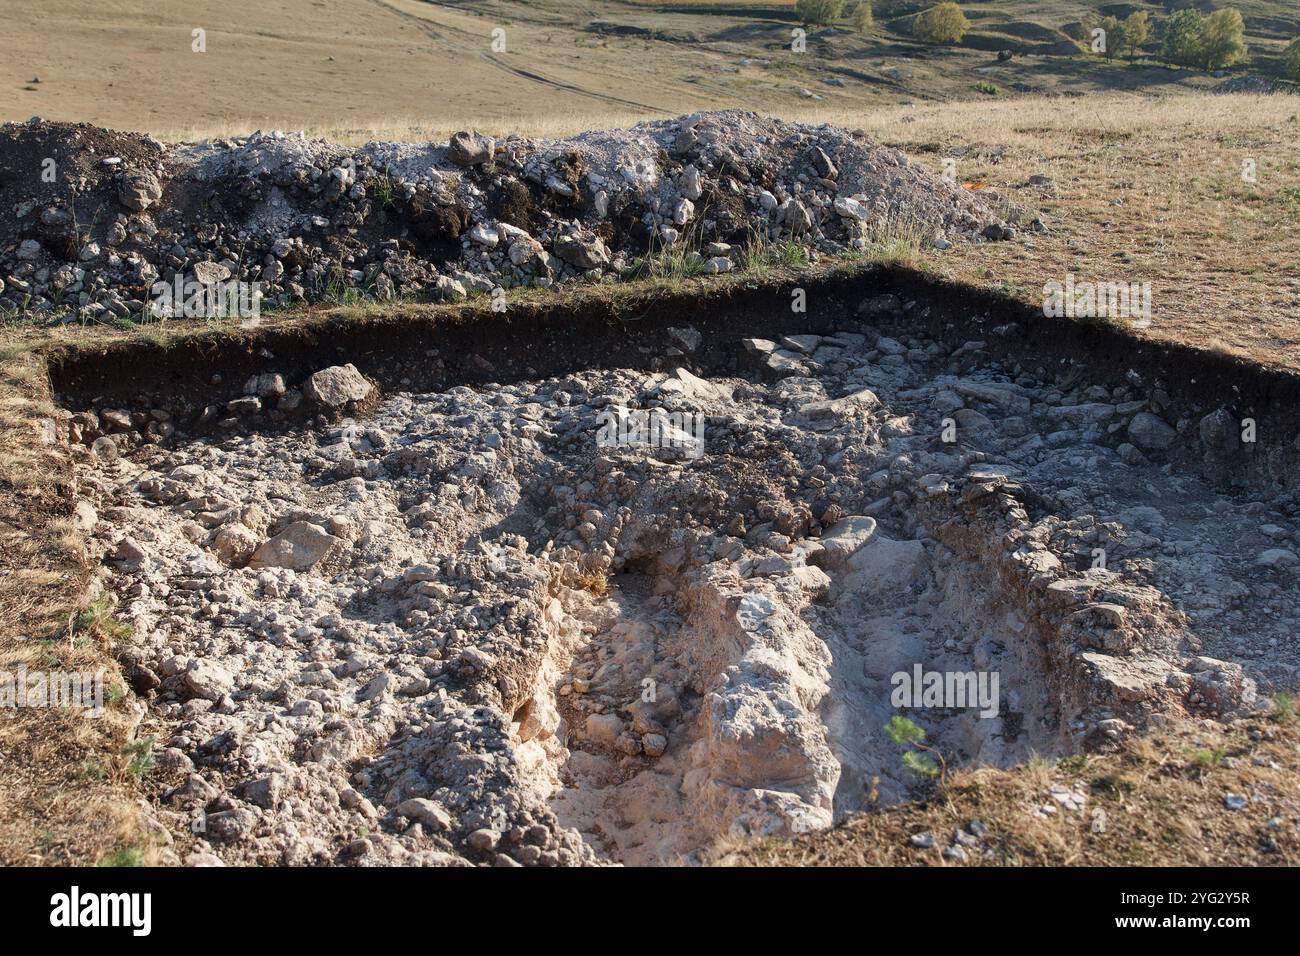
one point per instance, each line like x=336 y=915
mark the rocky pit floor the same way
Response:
x=455 y=628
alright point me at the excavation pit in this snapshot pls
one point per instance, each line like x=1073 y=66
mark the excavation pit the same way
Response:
x=476 y=619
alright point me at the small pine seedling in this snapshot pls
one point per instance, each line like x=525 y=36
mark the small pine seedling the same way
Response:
x=922 y=760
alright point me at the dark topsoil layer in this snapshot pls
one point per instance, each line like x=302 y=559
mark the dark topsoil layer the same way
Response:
x=429 y=348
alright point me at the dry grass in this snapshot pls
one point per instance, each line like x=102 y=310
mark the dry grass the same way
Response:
x=595 y=583
x=63 y=798
x=346 y=64
x=1161 y=803
x=1143 y=190
x=406 y=129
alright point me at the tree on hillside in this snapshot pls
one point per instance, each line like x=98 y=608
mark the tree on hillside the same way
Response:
x=819 y=13
x=1182 y=40
x=862 y=18
x=1222 y=39
x=1291 y=59
x=1111 y=40
x=944 y=23
x=1137 y=31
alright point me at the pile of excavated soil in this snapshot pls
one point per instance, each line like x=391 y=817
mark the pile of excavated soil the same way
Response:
x=460 y=627
x=91 y=220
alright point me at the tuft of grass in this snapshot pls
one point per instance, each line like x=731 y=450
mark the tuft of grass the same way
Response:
x=891 y=241
x=141 y=754
x=382 y=190
x=681 y=260
x=18 y=315
x=97 y=620
x=127 y=856
x=1076 y=763
x=1113 y=784
x=337 y=290
x=760 y=254
x=1205 y=758
x=755 y=257
x=791 y=253
x=595 y=583
x=1284 y=708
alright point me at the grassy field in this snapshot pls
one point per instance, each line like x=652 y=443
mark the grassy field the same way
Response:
x=67 y=793
x=423 y=66
x=1141 y=190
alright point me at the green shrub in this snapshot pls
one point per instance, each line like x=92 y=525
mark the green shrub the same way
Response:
x=920 y=758
x=819 y=12
x=1182 y=40
x=1291 y=59
x=1137 y=31
x=862 y=18
x=943 y=23
x=1222 y=39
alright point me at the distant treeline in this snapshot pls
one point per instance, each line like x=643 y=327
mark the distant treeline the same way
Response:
x=1192 y=34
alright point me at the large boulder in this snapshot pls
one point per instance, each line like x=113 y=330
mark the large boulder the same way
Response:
x=842 y=540
x=825 y=166
x=692 y=185
x=337 y=385
x=859 y=402
x=299 y=547
x=796 y=217
x=525 y=250
x=139 y=191
x=1148 y=431
x=470 y=149
x=425 y=812
x=210 y=273
x=581 y=252
x=1219 y=432
x=1222 y=686
x=692 y=388
x=846 y=207
x=604 y=729
x=208 y=680
x=235 y=544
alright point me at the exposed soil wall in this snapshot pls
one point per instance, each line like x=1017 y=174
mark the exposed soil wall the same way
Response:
x=428 y=348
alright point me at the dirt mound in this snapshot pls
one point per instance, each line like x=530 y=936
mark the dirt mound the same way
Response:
x=1255 y=84
x=96 y=224
x=57 y=178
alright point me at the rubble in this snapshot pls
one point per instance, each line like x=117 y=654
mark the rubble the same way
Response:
x=310 y=220
x=456 y=622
